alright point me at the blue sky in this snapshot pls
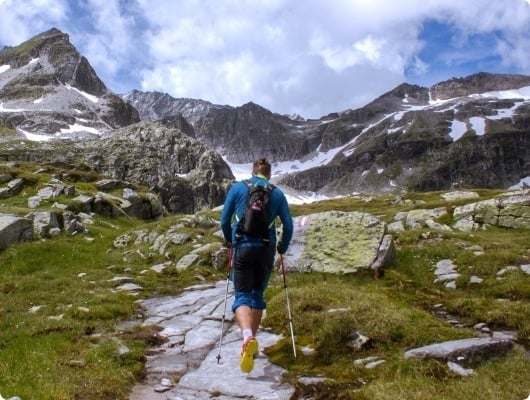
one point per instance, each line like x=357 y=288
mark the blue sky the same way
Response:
x=307 y=57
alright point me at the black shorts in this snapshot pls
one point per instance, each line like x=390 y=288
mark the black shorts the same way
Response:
x=252 y=268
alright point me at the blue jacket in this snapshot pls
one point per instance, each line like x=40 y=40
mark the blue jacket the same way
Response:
x=235 y=203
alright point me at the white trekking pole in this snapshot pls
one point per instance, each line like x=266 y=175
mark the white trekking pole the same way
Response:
x=229 y=267
x=288 y=305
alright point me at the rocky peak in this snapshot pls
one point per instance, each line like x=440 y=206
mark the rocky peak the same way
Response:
x=156 y=105
x=30 y=49
x=250 y=131
x=47 y=88
x=412 y=93
x=56 y=58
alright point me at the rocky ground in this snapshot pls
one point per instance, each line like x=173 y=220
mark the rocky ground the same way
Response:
x=186 y=366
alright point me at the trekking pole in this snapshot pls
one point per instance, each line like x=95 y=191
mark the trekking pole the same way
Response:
x=288 y=305
x=229 y=267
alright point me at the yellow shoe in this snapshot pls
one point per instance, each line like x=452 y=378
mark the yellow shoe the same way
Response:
x=248 y=351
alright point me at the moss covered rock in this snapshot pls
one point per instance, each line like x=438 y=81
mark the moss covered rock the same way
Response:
x=335 y=241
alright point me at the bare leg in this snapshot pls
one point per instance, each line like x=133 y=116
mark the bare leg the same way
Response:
x=244 y=317
x=256 y=320
x=249 y=318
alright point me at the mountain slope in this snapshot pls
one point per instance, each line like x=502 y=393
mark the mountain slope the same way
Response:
x=408 y=140
x=465 y=132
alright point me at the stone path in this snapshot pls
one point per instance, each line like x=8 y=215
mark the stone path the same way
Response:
x=192 y=324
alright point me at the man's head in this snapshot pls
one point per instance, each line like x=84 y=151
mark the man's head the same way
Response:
x=261 y=167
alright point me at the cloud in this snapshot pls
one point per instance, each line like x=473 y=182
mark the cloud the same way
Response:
x=20 y=20
x=307 y=57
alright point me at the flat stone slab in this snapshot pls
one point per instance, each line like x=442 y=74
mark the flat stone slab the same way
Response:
x=464 y=351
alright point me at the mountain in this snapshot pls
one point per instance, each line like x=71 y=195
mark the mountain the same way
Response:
x=465 y=132
x=48 y=89
x=456 y=134
x=157 y=105
x=470 y=132
x=241 y=134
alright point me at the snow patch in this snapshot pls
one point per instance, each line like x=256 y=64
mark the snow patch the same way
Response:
x=458 y=128
x=4 y=68
x=505 y=112
x=79 y=128
x=478 y=124
x=34 y=137
x=89 y=97
x=521 y=93
x=3 y=109
x=523 y=183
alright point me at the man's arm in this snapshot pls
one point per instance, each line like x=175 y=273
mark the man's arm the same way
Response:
x=287 y=222
x=226 y=215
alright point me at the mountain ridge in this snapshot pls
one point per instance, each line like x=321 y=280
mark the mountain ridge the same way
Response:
x=459 y=133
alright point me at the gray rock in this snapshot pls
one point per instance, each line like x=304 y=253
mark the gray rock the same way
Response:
x=396 y=226
x=5 y=193
x=464 y=351
x=510 y=211
x=186 y=261
x=129 y=287
x=446 y=271
x=459 y=195
x=458 y=369
x=417 y=218
x=192 y=325
x=51 y=190
x=373 y=364
x=15 y=186
x=46 y=222
x=14 y=229
x=34 y=201
x=357 y=340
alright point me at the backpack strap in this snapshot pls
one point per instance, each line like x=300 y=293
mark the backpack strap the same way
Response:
x=250 y=185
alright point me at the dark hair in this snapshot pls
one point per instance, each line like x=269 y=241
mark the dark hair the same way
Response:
x=262 y=166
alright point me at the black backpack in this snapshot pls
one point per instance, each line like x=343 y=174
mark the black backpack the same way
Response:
x=255 y=221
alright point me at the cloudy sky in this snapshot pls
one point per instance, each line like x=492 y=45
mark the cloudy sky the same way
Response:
x=310 y=57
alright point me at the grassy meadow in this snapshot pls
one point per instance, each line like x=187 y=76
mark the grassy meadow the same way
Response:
x=59 y=311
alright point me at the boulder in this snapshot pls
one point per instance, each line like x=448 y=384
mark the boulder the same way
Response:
x=14 y=229
x=44 y=222
x=339 y=242
x=417 y=218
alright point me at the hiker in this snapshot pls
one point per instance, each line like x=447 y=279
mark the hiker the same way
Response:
x=253 y=256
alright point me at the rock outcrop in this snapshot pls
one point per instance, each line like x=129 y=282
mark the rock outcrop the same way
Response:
x=512 y=211
x=183 y=172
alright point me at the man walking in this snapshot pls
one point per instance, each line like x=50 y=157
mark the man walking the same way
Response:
x=253 y=256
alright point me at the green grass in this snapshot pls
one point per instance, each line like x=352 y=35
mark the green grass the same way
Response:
x=396 y=311
x=59 y=312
